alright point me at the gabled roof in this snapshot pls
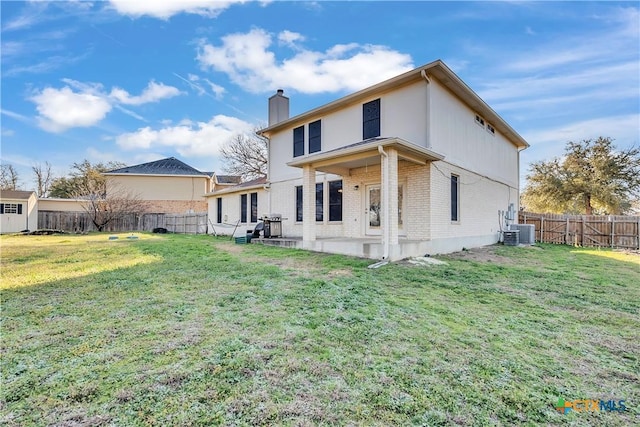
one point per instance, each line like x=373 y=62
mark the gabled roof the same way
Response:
x=437 y=69
x=16 y=194
x=168 y=166
x=245 y=186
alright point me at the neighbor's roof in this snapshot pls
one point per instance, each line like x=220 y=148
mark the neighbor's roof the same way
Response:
x=228 y=179
x=437 y=69
x=168 y=166
x=245 y=186
x=16 y=194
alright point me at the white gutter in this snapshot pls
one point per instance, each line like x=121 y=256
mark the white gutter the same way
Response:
x=386 y=235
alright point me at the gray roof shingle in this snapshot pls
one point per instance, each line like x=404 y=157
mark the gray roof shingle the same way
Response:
x=168 y=166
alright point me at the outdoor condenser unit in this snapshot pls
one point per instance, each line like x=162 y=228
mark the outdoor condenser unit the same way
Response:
x=527 y=235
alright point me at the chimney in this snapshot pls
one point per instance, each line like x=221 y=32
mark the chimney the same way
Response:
x=278 y=108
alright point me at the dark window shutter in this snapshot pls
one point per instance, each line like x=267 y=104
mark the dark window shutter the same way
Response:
x=298 y=141
x=219 y=213
x=371 y=119
x=315 y=137
x=1 y=208
x=20 y=209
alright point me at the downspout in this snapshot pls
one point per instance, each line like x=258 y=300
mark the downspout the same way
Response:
x=385 y=203
x=424 y=75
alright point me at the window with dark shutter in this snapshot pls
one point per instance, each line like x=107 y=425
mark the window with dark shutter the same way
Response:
x=299 y=203
x=254 y=207
x=315 y=140
x=20 y=209
x=1 y=208
x=298 y=141
x=455 y=194
x=243 y=208
x=319 y=201
x=335 y=201
x=219 y=210
x=371 y=119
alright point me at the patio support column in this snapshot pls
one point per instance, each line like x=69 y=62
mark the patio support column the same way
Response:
x=308 y=204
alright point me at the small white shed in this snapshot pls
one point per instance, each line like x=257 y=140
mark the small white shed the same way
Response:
x=18 y=211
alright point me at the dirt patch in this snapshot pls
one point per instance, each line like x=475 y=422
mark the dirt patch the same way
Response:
x=484 y=254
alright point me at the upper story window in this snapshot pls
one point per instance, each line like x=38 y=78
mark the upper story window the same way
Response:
x=371 y=119
x=479 y=120
x=315 y=140
x=491 y=129
x=298 y=141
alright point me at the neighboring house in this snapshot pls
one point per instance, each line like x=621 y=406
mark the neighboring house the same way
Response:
x=242 y=205
x=18 y=211
x=167 y=185
x=418 y=164
x=55 y=204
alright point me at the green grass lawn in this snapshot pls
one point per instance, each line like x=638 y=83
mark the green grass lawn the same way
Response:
x=195 y=330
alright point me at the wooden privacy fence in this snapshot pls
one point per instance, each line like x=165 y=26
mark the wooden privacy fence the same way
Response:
x=614 y=231
x=79 y=222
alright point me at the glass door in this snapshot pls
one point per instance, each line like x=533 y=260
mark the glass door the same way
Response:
x=373 y=209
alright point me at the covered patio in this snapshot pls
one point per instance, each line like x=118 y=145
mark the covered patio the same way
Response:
x=385 y=152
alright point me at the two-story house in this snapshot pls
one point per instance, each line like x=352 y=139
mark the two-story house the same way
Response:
x=417 y=164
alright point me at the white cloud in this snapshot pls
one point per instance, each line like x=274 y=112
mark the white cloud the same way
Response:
x=289 y=38
x=61 y=109
x=247 y=60
x=80 y=104
x=187 y=138
x=625 y=129
x=154 y=92
x=165 y=9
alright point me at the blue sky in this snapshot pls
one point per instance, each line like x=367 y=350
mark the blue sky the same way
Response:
x=136 y=81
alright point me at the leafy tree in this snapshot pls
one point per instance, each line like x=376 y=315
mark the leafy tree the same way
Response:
x=44 y=177
x=84 y=180
x=593 y=177
x=246 y=156
x=8 y=178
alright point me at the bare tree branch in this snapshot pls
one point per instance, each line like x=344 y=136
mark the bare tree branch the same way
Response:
x=104 y=208
x=8 y=177
x=246 y=156
x=44 y=178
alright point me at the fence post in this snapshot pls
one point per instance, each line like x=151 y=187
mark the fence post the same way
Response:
x=566 y=233
x=582 y=233
x=541 y=228
x=613 y=226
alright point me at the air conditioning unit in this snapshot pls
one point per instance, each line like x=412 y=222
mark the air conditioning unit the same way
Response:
x=527 y=235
